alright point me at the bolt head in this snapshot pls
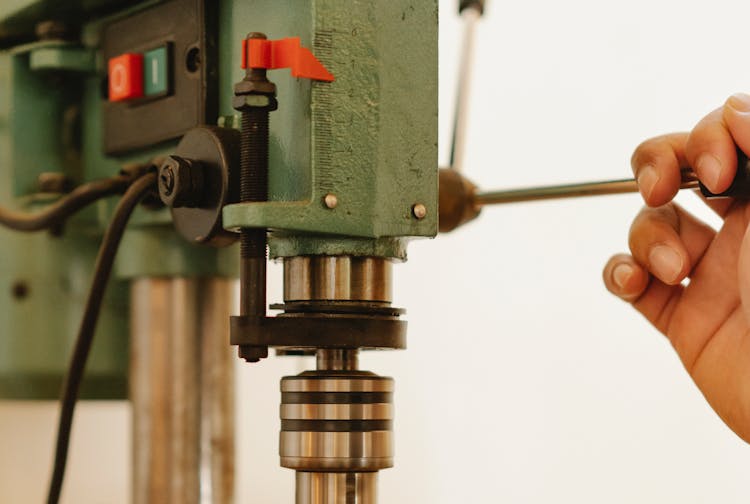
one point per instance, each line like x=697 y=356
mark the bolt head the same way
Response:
x=330 y=201
x=419 y=211
x=180 y=182
x=252 y=353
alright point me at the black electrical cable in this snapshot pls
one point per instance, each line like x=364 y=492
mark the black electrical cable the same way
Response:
x=64 y=207
x=104 y=261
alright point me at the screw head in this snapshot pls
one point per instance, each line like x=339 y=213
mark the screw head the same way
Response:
x=180 y=182
x=419 y=211
x=331 y=201
x=166 y=180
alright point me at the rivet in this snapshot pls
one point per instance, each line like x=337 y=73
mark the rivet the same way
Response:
x=330 y=200
x=419 y=211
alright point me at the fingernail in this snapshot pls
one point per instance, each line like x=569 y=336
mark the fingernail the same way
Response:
x=621 y=274
x=665 y=263
x=647 y=179
x=740 y=102
x=708 y=167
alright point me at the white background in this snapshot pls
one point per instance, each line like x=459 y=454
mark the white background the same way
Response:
x=525 y=381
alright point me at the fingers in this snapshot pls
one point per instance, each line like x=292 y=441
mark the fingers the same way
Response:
x=625 y=278
x=657 y=163
x=711 y=152
x=736 y=115
x=669 y=242
x=709 y=149
x=712 y=299
x=630 y=281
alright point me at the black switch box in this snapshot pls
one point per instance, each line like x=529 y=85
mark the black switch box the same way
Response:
x=190 y=29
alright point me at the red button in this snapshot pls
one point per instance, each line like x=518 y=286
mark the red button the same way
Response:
x=126 y=77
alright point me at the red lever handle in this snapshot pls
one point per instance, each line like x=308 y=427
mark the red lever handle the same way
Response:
x=284 y=53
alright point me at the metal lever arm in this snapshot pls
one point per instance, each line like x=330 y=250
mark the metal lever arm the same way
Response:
x=689 y=181
x=471 y=11
x=740 y=188
x=460 y=202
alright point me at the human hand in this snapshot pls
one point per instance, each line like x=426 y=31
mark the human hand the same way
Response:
x=707 y=319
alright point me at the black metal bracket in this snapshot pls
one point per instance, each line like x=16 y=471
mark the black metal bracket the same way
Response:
x=254 y=335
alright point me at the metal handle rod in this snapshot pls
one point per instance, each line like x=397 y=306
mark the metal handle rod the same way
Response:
x=471 y=16
x=570 y=191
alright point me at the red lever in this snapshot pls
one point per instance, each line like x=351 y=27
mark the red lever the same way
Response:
x=284 y=53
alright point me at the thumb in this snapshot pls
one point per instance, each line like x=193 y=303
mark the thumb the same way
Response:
x=736 y=115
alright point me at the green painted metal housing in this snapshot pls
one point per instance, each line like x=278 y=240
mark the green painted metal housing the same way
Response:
x=51 y=122
x=370 y=138
x=44 y=277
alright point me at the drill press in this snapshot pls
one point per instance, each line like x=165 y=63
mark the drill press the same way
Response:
x=331 y=173
x=338 y=218
x=336 y=175
x=337 y=248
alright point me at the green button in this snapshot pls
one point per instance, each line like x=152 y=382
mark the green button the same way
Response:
x=156 y=72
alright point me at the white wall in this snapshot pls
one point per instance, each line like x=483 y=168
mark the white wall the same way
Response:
x=525 y=382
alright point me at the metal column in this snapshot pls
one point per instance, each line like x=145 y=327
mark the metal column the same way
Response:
x=181 y=389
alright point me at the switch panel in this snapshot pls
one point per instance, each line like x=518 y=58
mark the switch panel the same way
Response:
x=135 y=76
x=161 y=74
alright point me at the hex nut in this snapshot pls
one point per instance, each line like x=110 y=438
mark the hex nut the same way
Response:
x=180 y=182
x=249 y=101
x=247 y=86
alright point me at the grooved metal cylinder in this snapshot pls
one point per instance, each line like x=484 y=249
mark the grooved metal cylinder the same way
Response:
x=338 y=278
x=336 y=421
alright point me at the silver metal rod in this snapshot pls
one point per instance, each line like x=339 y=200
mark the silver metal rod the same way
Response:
x=217 y=393
x=337 y=359
x=181 y=390
x=337 y=488
x=567 y=191
x=470 y=17
x=183 y=386
x=150 y=399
